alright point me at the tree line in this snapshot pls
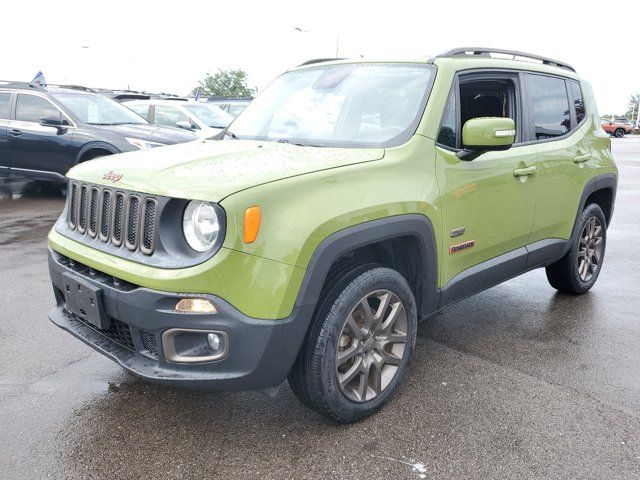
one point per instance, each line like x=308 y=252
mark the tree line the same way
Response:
x=225 y=83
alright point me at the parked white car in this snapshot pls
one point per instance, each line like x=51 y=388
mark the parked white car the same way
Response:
x=202 y=119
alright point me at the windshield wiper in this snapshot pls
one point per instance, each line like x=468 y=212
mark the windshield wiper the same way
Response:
x=284 y=140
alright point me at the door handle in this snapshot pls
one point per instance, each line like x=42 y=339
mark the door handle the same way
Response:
x=582 y=158
x=523 y=172
x=15 y=133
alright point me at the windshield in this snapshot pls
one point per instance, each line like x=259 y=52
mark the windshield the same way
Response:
x=340 y=105
x=97 y=110
x=210 y=114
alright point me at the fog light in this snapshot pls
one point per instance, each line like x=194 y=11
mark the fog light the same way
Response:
x=190 y=345
x=216 y=342
x=195 y=305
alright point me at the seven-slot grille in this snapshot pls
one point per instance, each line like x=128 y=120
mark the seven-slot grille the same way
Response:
x=122 y=218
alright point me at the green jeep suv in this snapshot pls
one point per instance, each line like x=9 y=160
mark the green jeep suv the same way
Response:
x=347 y=202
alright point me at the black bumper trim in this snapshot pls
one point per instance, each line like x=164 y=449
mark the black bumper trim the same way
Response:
x=261 y=352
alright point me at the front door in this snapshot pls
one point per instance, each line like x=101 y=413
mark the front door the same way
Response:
x=34 y=147
x=488 y=203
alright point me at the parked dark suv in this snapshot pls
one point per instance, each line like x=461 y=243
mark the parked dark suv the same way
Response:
x=43 y=133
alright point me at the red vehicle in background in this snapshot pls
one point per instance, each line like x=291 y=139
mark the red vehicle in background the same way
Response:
x=616 y=128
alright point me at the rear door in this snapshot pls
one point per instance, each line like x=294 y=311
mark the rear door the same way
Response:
x=5 y=117
x=558 y=127
x=34 y=147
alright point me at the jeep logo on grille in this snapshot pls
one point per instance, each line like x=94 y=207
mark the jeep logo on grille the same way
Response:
x=114 y=177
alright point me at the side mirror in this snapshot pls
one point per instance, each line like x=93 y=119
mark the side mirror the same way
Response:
x=485 y=134
x=185 y=125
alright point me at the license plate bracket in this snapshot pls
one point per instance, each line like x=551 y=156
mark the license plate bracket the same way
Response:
x=84 y=300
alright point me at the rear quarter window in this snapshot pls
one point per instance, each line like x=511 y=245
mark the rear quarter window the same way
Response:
x=578 y=101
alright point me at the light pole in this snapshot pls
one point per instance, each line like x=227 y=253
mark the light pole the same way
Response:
x=302 y=30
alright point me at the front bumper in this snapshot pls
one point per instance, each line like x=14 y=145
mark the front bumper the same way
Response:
x=261 y=352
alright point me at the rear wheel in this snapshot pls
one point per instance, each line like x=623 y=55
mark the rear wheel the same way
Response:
x=619 y=133
x=359 y=345
x=578 y=270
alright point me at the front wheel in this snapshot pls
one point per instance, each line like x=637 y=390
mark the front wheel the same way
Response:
x=578 y=270
x=619 y=133
x=359 y=345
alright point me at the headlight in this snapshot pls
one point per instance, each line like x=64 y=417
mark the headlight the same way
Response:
x=143 y=144
x=201 y=225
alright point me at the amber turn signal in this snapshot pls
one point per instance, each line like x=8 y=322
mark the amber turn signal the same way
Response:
x=251 y=224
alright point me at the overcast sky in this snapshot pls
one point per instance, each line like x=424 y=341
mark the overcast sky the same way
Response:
x=170 y=45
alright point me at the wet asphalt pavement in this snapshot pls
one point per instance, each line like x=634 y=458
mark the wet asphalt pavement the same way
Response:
x=517 y=382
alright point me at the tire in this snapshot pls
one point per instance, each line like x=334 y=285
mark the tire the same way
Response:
x=340 y=326
x=576 y=273
x=49 y=187
x=619 y=133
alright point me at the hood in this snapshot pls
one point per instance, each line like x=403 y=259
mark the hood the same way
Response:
x=212 y=170
x=150 y=133
x=208 y=132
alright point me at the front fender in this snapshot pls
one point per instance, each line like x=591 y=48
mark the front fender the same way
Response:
x=336 y=245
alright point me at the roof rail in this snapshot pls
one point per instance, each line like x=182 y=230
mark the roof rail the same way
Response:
x=73 y=87
x=319 y=60
x=14 y=84
x=486 y=52
x=216 y=98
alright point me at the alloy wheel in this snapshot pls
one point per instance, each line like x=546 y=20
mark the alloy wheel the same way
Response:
x=590 y=249
x=371 y=345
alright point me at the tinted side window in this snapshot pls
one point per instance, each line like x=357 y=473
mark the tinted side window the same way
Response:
x=5 y=102
x=549 y=107
x=578 y=102
x=448 y=127
x=30 y=108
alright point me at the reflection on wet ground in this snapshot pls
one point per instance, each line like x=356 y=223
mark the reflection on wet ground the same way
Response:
x=516 y=382
x=16 y=189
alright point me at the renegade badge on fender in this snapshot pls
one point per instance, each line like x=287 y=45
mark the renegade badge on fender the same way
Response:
x=348 y=201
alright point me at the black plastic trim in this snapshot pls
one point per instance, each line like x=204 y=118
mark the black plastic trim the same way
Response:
x=261 y=352
x=601 y=182
x=483 y=276
x=344 y=241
